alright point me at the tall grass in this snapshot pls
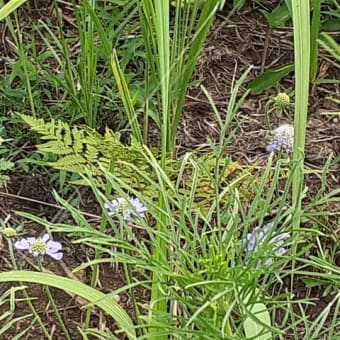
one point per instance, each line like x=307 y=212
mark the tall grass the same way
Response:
x=301 y=23
x=172 y=56
x=171 y=59
x=13 y=26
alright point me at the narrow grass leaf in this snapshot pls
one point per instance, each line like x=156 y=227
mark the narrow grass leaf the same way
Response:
x=126 y=97
x=314 y=48
x=107 y=304
x=330 y=45
x=301 y=25
x=10 y=7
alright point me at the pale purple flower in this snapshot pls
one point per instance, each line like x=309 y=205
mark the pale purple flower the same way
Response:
x=282 y=138
x=40 y=246
x=259 y=236
x=273 y=147
x=128 y=208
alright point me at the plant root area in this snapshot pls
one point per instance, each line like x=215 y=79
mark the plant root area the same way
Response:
x=236 y=41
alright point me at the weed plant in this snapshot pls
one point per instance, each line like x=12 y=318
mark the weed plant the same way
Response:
x=214 y=258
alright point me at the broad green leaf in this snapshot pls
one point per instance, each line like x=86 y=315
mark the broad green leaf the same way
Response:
x=332 y=25
x=255 y=328
x=106 y=303
x=278 y=16
x=270 y=78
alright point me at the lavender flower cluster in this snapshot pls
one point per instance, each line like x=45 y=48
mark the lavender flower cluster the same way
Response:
x=128 y=208
x=282 y=139
x=260 y=236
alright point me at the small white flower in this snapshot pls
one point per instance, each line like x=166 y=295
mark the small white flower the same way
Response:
x=40 y=246
x=127 y=207
x=282 y=138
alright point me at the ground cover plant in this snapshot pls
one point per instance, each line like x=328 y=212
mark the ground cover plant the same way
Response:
x=169 y=169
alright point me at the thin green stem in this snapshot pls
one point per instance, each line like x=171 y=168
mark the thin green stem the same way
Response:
x=98 y=252
x=23 y=58
x=55 y=308
x=128 y=277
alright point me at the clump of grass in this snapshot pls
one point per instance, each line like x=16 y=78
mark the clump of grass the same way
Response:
x=210 y=269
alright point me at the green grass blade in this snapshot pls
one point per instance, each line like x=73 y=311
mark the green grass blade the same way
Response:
x=302 y=61
x=162 y=27
x=330 y=45
x=10 y=7
x=106 y=303
x=126 y=97
x=193 y=47
x=315 y=27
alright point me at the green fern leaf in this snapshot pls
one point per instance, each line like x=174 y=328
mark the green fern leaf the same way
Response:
x=71 y=163
x=56 y=147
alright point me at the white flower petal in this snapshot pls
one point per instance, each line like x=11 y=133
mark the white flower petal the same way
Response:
x=45 y=237
x=280 y=251
x=53 y=246
x=126 y=207
x=112 y=207
x=22 y=244
x=31 y=240
x=56 y=256
x=273 y=147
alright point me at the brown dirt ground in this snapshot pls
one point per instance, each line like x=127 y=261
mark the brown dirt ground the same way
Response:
x=235 y=43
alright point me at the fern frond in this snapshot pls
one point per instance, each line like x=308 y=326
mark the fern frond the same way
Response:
x=83 y=148
x=71 y=163
x=78 y=140
x=56 y=147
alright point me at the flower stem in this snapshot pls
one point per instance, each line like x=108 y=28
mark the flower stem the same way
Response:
x=98 y=252
x=55 y=308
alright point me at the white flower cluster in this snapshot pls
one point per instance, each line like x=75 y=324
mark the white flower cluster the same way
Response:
x=128 y=208
x=282 y=138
